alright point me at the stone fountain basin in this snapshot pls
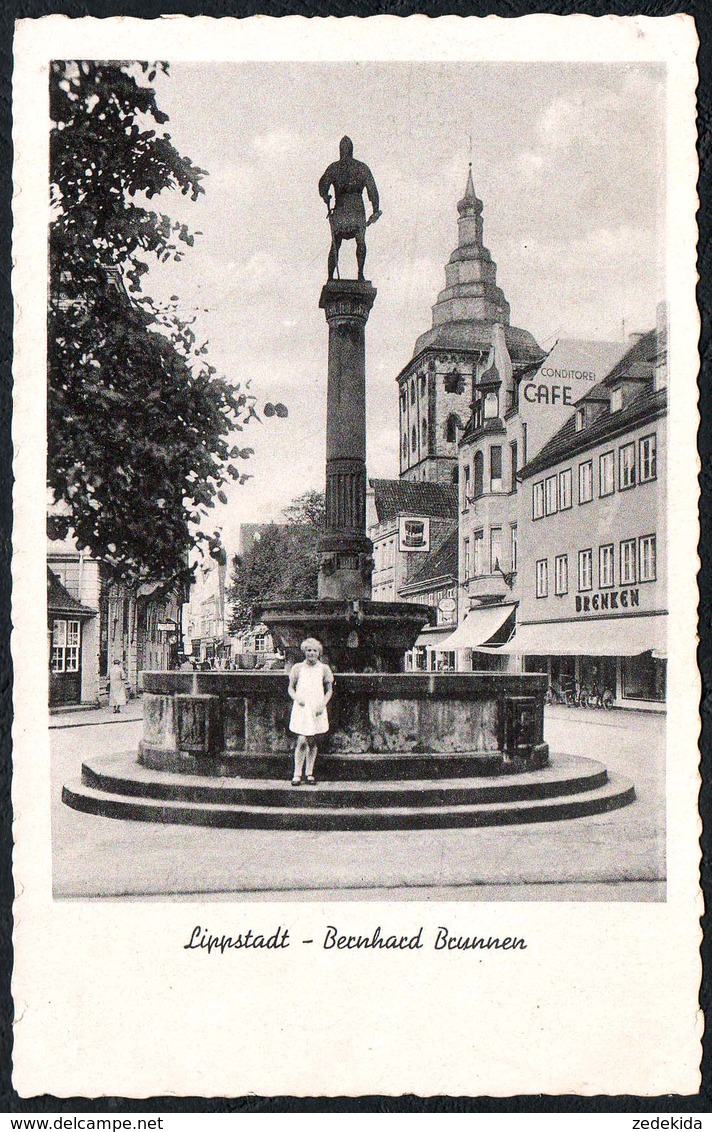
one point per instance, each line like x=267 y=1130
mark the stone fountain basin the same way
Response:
x=219 y=722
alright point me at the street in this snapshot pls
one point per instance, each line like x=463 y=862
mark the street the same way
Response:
x=614 y=856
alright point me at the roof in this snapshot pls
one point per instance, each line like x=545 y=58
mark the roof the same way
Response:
x=59 y=600
x=441 y=562
x=637 y=364
x=426 y=500
x=470 y=334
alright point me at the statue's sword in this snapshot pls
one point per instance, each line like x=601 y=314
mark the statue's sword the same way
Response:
x=330 y=214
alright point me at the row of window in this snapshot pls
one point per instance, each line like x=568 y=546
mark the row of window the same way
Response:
x=637 y=562
x=637 y=463
x=475 y=560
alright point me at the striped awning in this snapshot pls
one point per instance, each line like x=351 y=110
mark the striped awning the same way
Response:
x=601 y=636
x=481 y=626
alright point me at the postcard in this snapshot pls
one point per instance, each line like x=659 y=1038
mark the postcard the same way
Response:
x=354 y=599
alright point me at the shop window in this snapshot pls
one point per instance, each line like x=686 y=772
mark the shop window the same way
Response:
x=629 y=571
x=586 y=482
x=513 y=546
x=626 y=466
x=606 y=573
x=550 y=497
x=565 y=490
x=606 y=477
x=561 y=574
x=495 y=548
x=643 y=678
x=647 y=559
x=514 y=466
x=478 y=475
x=538 y=500
x=585 y=569
x=65 y=646
x=648 y=458
x=542 y=578
x=496 y=467
x=479 y=555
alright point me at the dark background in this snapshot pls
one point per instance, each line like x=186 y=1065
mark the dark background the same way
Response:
x=10 y=10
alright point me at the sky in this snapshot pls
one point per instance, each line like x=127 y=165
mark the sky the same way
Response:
x=567 y=158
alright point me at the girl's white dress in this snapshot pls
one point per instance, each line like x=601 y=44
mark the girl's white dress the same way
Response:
x=309 y=687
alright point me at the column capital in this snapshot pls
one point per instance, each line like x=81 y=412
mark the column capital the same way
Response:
x=347 y=299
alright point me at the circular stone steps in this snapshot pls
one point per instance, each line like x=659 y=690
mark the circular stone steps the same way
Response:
x=117 y=786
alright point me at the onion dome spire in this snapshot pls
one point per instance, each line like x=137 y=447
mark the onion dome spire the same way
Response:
x=470 y=205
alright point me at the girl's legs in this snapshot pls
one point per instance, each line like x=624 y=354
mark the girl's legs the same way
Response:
x=300 y=753
x=311 y=757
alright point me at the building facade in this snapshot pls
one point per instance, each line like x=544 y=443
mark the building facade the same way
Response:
x=412 y=518
x=592 y=539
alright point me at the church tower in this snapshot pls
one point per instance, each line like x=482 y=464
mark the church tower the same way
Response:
x=470 y=323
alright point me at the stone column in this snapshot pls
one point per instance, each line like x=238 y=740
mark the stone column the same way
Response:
x=346 y=551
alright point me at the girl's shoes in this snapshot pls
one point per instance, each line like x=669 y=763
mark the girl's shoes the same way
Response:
x=296 y=782
x=311 y=781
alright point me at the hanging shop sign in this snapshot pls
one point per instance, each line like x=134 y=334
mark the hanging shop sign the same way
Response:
x=413 y=534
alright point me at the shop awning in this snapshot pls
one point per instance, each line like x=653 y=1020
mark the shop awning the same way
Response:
x=604 y=636
x=433 y=638
x=480 y=626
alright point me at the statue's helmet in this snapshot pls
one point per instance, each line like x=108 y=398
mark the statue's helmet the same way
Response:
x=346 y=147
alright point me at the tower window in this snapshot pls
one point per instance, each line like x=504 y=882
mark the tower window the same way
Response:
x=451 y=429
x=424 y=432
x=454 y=382
x=413 y=440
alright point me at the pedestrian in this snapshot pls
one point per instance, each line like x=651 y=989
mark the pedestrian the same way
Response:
x=117 y=687
x=311 y=683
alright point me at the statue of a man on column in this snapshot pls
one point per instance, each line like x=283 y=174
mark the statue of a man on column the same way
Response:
x=347 y=215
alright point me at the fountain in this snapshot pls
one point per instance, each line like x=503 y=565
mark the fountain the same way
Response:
x=415 y=750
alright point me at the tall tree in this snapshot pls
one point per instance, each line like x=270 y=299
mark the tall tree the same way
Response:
x=282 y=563
x=141 y=428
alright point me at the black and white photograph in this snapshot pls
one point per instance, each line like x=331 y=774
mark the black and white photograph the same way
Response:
x=369 y=553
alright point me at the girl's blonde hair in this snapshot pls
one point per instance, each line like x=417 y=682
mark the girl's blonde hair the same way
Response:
x=311 y=642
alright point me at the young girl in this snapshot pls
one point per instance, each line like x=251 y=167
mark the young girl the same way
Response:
x=310 y=686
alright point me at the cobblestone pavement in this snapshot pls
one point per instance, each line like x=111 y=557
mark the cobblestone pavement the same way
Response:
x=615 y=856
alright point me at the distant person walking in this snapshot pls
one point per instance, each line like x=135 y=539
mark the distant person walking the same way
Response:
x=311 y=683
x=117 y=686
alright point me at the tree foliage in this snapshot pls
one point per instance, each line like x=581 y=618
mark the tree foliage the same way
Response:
x=141 y=430
x=282 y=563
